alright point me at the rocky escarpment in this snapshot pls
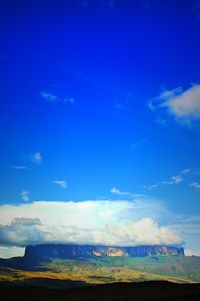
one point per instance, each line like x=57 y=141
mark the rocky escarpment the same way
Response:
x=88 y=251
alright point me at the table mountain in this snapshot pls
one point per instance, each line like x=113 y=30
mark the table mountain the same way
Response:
x=88 y=251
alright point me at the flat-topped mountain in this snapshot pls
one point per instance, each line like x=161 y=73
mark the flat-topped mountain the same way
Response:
x=88 y=251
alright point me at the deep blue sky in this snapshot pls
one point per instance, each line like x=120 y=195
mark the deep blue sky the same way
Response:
x=77 y=80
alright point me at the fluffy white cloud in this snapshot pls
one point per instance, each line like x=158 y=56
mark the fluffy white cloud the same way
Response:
x=36 y=158
x=184 y=105
x=25 y=195
x=144 y=231
x=90 y=222
x=61 y=183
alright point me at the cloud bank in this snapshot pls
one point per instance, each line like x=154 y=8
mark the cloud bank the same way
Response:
x=8 y=252
x=145 y=231
x=123 y=223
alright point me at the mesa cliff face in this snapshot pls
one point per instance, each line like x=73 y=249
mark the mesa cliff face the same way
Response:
x=88 y=251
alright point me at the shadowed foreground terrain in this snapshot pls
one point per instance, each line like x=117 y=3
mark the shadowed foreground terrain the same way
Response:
x=117 y=292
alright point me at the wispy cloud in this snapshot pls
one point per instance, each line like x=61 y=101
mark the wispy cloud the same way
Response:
x=138 y=143
x=69 y=100
x=186 y=171
x=61 y=183
x=121 y=193
x=25 y=195
x=48 y=96
x=195 y=185
x=151 y=186
x=36 y=158
x=19 y=167
x=174 y=180
x=184 y=105
x=54 y=98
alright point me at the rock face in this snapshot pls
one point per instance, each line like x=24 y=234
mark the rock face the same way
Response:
x=88 y=251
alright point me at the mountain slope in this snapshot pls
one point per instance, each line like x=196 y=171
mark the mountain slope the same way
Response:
x=97 y=264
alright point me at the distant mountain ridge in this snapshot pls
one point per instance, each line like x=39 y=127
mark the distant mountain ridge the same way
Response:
x=88 y=251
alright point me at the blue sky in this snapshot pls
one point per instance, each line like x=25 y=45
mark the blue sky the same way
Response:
x=100 y=100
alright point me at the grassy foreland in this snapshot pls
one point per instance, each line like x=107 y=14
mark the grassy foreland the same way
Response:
x=178 y=269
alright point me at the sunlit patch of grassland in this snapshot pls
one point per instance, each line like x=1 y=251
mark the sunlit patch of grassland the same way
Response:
x=87 y=272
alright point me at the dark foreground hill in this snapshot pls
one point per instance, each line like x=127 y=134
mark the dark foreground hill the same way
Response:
x=143 y=291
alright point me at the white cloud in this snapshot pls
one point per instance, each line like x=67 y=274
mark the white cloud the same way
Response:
x=189 y=252
x=19 y=167
x=90 y=214
x=70 y=100
x=115 y=191
x=151 y=186
x=108 y=222
x=185 y=171
x=53 y=98
x=36 y=158
x=195 y=185
x=174 y=180
x=49 y=96
x=25 y=195
x=25 y=221
x=61 y=183
x=120 y=193
x=144 y=231
x=8 y=252
x=183 y=105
